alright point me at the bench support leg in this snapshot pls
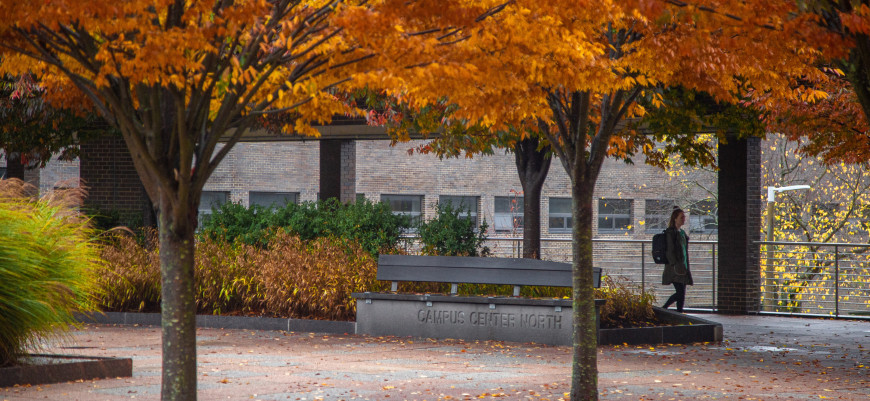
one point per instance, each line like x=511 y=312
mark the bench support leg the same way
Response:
x=454 y=288
x=517 y=290
x=395 y=286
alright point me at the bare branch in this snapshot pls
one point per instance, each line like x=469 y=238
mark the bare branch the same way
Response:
x=493 y=11
x=712 y=10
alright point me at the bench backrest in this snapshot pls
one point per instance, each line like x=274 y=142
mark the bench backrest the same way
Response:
x=476 y=270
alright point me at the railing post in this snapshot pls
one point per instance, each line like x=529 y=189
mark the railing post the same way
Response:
x=643 y=267
x=836 y=281
x=713 y=277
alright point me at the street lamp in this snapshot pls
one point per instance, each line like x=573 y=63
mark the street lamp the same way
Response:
x=771 y=199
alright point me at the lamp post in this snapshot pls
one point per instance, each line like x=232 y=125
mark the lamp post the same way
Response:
x=771 y=200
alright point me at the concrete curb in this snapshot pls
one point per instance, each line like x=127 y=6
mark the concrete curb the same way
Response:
x=49 y=368
x=226 y=322
x=688 y=329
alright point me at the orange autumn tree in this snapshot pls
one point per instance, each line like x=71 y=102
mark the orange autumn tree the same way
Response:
x=573 y=72
x=831 y=118
x=834 y=127
x=841 y=30
x=176 y=77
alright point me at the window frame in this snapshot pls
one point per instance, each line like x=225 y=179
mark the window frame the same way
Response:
x=514 y=215
x=614 y=217
x=273 y=205
x=566 y=219
x=414 y=217
x=468 y=213
x=206 y=207
x=661 y=220
x=700 y=218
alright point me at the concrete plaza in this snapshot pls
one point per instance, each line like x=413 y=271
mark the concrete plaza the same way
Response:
x=762 y=358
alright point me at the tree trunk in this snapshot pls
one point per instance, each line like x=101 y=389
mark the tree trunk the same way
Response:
x=532 y=166
x=149 y=221
x=584 y=372
x=178 y=307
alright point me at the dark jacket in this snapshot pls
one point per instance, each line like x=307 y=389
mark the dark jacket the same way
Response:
x=677 y=269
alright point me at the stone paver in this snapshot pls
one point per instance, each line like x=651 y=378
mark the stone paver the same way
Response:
x=763 y=358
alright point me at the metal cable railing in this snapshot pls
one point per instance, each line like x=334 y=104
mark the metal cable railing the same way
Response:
x=800 y=278
x=627 y=260
x=809 y=278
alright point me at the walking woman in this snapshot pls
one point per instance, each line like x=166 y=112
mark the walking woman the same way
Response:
x=677 y=269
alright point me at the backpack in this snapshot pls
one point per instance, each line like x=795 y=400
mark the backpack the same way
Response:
x=660 y=248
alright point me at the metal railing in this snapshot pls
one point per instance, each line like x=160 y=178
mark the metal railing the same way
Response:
x=626 y=260
x=820 y=279
x=800 y=278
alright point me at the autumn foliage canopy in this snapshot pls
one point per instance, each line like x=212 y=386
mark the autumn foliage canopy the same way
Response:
x=178 y=77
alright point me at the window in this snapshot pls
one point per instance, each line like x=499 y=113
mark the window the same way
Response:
x=466 y=204
x=406 y=205
x=657 y=214
x=271 y=200
x=702 y=217
x=560 y=215
x=508 y=215
x=614 y=215
x=211 y=200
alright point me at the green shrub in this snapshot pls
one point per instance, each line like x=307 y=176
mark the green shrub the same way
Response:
x=372 y=226
x=449 y=234
x=233 y=221
x=47 y=260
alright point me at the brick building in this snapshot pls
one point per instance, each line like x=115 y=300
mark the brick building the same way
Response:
x=634 y=200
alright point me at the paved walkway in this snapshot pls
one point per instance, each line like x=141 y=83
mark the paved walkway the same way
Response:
x=763 y=358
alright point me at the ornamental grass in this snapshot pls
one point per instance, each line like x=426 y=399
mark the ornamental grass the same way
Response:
x=314 y=279
x=288 y=277
x=47 y=261
x=627 y=305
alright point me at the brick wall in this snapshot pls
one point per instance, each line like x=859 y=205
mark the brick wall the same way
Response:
x=270 y=167
x=106 y=169
x=740 y=205
x=381 y=169
x=62 y=174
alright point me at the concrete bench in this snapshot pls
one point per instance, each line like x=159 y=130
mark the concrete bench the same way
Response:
x=546 y=321
x=457 y=269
